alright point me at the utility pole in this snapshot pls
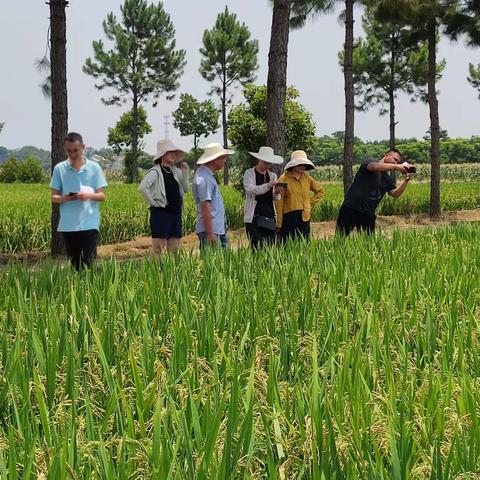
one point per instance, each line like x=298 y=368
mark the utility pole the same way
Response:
x=166 y=122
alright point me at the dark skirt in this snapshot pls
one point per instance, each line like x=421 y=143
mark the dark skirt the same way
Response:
x=164 y=224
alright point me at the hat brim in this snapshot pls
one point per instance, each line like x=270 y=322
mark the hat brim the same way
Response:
x=300 y=163
x=276 y=159
x=203 y=160
x=180 y=155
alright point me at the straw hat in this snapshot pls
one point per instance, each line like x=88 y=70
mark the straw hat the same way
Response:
x=213 y=151
x=165 y=146
x=267 y=155
x=299 y=157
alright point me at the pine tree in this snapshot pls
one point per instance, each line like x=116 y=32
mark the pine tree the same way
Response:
x=142 y=64
x=229 y=59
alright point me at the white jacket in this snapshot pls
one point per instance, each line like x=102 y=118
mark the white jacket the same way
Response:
x=252 y=190
x=152 y=186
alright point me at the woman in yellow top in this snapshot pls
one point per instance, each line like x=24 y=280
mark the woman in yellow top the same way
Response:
x=295 y=206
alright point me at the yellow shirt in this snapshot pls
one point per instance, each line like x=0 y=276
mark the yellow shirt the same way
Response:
x=297 y=196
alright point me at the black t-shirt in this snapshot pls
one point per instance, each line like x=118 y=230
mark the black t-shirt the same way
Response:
x=172 y=192
x=368 y=189
x=264 y=205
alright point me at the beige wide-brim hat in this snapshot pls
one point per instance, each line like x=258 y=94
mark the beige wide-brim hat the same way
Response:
x=165 y=146
x=299 y=157
x=213 y=151
x=267 y=154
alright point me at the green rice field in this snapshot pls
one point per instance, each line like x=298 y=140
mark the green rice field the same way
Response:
x=336 y=359
x=25 y=212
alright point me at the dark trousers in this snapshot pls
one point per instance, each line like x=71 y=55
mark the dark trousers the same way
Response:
x=349 y=219
x=259 y=237
x=81 y=247
x=294 y=227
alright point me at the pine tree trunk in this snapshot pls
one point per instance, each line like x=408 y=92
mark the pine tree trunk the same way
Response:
x=58 y=62
x=392 y=120
x=225 y=128
x=391 y=93
x=435 y=207
x=277 y=79
x=349 y=98
x=132 y=165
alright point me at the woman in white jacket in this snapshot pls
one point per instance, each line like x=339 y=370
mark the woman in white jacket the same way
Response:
x=163 y=187
x=260 y=191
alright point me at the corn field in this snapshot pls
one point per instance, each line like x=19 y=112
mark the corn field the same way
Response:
x=25 y=212
x=336 y=359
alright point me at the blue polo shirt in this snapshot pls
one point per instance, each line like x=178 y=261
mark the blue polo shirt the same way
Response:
x=205 y=188
x=77 y=215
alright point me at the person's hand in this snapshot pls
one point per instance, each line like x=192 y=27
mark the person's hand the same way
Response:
x=68 y=198
x=402 y=168
x=272 y=183
x=83 y=196
x=212 y=238
x=409 y=176
x=184 y=166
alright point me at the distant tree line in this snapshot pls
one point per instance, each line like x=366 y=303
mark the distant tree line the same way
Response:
x=328 y=150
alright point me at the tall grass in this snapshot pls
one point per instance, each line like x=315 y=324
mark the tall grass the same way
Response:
x=25 y=212
x=354 y=358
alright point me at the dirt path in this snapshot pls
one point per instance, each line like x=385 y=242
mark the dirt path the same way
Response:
x=140 y=246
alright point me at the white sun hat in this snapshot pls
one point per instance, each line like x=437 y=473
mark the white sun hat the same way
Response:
x=299 y=157
x=267 y=155
x=165 y=146
x=213 y=151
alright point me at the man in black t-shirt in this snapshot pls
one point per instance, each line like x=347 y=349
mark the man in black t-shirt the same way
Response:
x=369 y=186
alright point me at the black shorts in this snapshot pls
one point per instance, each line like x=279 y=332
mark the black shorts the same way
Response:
x=165 y=224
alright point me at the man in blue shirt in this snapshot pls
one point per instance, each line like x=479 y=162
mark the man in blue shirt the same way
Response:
x=211 y=225
x=77 y=185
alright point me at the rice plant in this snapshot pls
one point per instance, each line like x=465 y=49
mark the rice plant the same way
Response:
x=354 y=358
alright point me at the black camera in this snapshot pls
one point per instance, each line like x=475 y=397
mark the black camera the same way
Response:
x=411 y=170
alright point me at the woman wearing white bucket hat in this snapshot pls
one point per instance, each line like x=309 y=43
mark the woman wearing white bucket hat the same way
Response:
x=260 y=192
x=295 y=206
x=163 y=187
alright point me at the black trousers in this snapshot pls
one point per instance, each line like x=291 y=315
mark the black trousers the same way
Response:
x=349 y=219
x=259 y=237
x=81 y=247
x=294 y=227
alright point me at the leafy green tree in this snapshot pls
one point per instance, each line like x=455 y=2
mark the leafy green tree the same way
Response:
x=120 y=138
x=196 y=118
x=30 y=171
x=229 y=59
x=474 y=77
x=142 y=64
x=9 y=170
x=248 y=128
x=388 y=61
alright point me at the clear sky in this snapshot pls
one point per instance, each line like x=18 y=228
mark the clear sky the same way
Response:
x=312 y=68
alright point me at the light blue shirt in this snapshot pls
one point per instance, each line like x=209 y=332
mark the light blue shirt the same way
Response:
x=204 y=189
x=77 y=215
